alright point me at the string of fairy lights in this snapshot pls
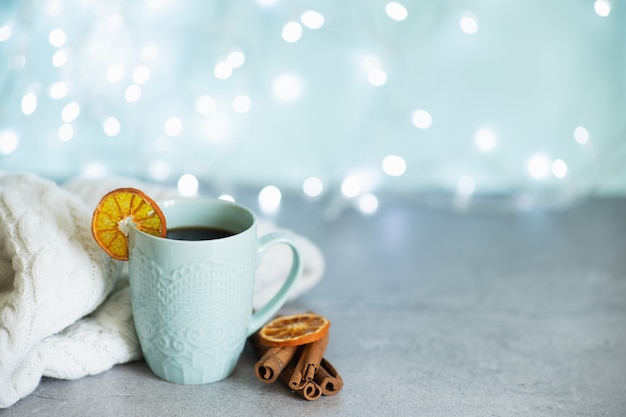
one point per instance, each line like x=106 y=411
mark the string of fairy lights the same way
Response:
x=352 y=101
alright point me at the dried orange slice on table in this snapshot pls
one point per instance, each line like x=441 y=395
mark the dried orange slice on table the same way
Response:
x=294 y=330
x=114 y=213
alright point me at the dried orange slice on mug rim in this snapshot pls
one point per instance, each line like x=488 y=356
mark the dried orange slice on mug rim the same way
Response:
x=111 y=220
x=294 y=330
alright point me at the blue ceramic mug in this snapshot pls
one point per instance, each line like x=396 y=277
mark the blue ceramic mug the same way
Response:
x=192 y=299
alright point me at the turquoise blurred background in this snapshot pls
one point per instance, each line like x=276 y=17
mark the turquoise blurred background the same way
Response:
x=517 y=98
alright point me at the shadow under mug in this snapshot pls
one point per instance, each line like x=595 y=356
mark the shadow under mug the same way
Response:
x=192 y=300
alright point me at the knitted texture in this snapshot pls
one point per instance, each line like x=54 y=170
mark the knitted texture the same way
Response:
x=52 y=273
x=64 y=304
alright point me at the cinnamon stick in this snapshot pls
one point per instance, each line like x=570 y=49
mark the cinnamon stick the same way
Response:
x=308 y=364
x=328 y=378
x=309 y=391
x=272 y=363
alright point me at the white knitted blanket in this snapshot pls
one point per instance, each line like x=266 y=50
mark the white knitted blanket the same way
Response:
x=64 y=304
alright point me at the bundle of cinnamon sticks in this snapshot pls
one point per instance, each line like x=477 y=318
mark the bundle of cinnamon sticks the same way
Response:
x=302 y=368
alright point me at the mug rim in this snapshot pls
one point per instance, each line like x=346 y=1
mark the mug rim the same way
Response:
x=168 y=203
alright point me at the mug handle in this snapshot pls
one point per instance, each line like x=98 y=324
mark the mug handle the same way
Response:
x=262 y=316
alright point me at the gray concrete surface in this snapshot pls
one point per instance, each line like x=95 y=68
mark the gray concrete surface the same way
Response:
x=434 y=313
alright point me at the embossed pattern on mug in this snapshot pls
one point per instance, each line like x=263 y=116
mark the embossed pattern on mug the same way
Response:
x=176 y=315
